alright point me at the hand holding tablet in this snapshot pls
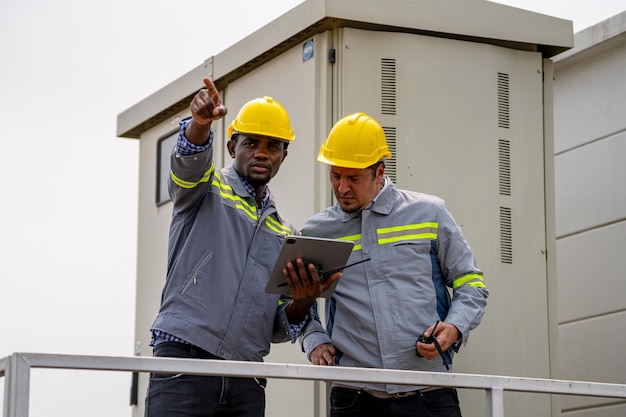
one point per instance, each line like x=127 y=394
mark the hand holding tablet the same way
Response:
x=328 y=255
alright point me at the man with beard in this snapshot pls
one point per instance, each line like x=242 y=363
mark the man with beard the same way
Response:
x=394 y=311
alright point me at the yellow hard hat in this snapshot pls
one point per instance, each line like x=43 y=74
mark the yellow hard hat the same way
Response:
x=355 y=141
x=263 y=116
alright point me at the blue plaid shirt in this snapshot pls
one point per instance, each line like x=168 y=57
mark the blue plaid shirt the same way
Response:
x=186 y=148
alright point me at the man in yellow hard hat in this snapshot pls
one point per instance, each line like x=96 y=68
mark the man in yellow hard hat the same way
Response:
x=394 y=311
x=225 y=234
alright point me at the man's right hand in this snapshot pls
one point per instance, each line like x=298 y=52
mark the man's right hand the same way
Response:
x=205 y=107
x=305 y=287
x=323 y=354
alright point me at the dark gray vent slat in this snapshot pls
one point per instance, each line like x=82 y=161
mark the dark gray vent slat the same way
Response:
x=503 y=101
x=388 y=86
x=506 y=235
x=504 y=166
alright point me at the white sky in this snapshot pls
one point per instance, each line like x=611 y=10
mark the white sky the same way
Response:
x=69 y=185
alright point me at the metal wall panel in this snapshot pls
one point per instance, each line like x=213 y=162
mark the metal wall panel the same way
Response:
x=591 y=190
x=584 y=341
x=589 y=100
x=591 y=273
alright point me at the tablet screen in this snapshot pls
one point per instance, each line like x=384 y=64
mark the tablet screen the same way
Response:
x=327 y=254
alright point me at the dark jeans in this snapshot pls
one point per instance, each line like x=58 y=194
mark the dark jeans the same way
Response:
x=358 y=403
x=177 y=395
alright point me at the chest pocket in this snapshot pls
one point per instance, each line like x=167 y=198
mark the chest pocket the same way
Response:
x=407 y=260
x=408 y=250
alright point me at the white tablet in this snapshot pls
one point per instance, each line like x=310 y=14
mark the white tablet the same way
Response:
x=328 y=254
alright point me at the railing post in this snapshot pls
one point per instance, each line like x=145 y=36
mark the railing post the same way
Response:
x=495 y=402
x=17 y=387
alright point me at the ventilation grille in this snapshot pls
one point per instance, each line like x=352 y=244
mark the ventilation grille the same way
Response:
x=503 y=100
x=504 y=161
x=388 y=86
x=391 y=166
x=506 y=236
x=388 y=103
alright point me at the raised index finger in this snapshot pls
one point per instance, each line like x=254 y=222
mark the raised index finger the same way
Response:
x=213 y=93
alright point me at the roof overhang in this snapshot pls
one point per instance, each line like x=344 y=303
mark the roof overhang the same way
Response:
x=594 y=40
x=470 y=20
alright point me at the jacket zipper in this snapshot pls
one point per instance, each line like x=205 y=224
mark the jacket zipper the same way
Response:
x=194 y=277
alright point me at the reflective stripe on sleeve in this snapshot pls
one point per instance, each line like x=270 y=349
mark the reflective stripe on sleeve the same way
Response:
x=471 y=280
x=190 y=184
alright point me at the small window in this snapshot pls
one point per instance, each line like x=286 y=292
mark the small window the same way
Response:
x=164 y=150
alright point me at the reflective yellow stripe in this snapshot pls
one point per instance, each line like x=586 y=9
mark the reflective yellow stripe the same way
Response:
x=356 y=239
x=419 y=231
x=190 y=184
x=277 y=226
x=472 y=280
x=393 y=234
x=226 y=192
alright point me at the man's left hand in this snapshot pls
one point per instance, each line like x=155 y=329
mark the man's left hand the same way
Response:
x=446 y=334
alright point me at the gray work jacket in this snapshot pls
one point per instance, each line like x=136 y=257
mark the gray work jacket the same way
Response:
x=220 y=256
x=381 y=306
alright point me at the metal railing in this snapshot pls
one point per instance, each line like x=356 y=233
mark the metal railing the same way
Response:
x=16 y=369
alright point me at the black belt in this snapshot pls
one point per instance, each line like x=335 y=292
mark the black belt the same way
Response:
x=386 y=395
